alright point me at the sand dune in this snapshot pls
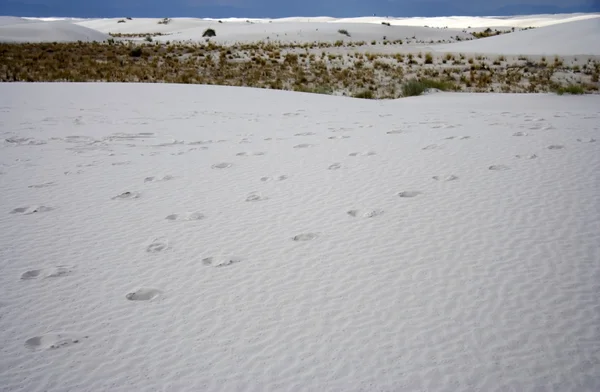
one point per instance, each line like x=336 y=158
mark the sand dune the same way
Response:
x=569 y=38
x=203 y=238
x=568 y=34
x=21 y=30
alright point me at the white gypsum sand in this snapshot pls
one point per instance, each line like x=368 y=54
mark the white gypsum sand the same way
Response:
x=17 y=30
x=198 y=238
x=417 y=31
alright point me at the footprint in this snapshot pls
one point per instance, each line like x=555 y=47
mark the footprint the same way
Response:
x=366 y=213
x=520 y=133
x=532 y=156
x=409 y=193
x=499 y=167
x=53 y=341
x=304 y=145
x=555 y=147
x=305 y=237
x=445 y=178
x=362 y=154
x=193 y=216
x=126 y=196
x=464 y=137
x=305 y=134
x=338 y=137
x=431 y=147
x=31 y=210
x=396 y=132
x=155 y=179
x=157 y=245
x=143 y=294
x=335 y=166
x=246 y=154
x=44 y=185
x=223 y=165
x=280 y=178
x=255 y=197
x=121 y=163
x=44 y=273
x=220 y=261
x=587 y=140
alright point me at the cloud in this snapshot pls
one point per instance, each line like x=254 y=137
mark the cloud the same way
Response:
x=282 y=8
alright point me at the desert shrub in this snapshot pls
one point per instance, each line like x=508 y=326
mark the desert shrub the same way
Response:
x=386 y=23
x=365 y=94
x=136 y=52
x=413 y=88
x=121 y=21
x=428 y=58
x=572 y=89
x=164 y=21
x=344 y=32
x=148 y=38
x=209 y=33
x=129 y=18
x=438 y=84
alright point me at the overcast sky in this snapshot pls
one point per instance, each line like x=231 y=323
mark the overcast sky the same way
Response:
x=282 y=8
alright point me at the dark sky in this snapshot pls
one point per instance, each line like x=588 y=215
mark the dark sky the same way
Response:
x=283 y=8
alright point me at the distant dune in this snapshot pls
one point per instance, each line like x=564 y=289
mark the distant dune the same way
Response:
x=563 y=34
x=572 y=38
x=22 y=30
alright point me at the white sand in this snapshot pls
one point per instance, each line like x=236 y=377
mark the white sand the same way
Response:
x=28 y=30
x=563 y=34
x=194 y=238
x=571 y=38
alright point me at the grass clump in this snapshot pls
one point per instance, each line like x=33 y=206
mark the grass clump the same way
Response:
x=136 y=52
x=413 y=88
x=365 y=94
x=572 y=89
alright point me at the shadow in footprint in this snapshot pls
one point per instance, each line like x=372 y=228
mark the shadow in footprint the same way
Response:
x=220 y=261
x=409 y=194
x=305 y=237
x=126 y=196
x=143 y=294
x=53 y=341
x=43 y=273
x=222 y=165
x=157 y=245
x=498 y=167
x=365 y=214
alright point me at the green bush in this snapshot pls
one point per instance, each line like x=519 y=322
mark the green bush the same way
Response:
x=572 y=89
x=365 y=94
x=413 y=88
x=136 y=52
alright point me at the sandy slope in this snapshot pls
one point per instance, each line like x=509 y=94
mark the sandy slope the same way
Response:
x=568 y=33
x=23 y=30
x=284 y=31
x=570 y=38
x=172 y=237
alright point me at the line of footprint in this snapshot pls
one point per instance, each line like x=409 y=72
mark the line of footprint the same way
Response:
x=53 y=341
